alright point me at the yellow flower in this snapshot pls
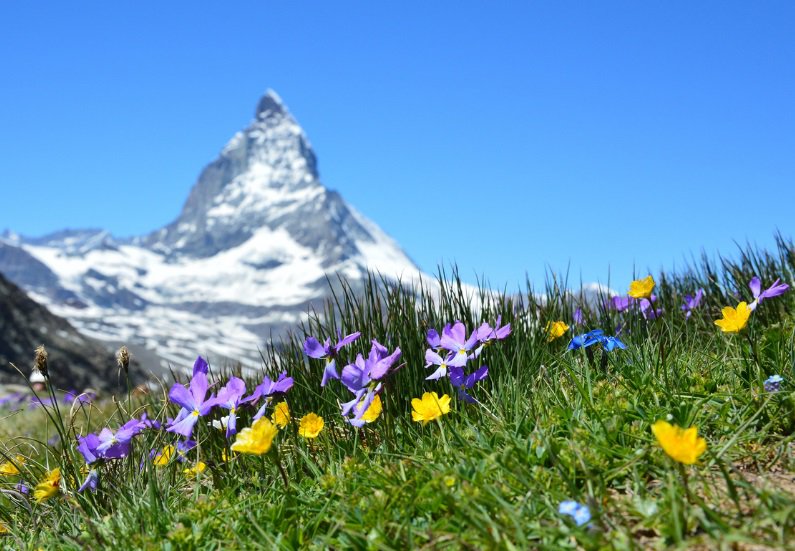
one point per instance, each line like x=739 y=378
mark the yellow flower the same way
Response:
x=164 y=456
x=281 y=415
x=683 y=445
x=196 y=469
x=10 y=469
x=556 y=329
x=48 y=487
x=373 y=411
x=257 y=438
x=3 y=529
x=641 y=288
x=310 y=426
x=734 y=319
x=429 y=407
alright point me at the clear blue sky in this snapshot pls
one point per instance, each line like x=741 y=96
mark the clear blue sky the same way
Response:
x=509 y=137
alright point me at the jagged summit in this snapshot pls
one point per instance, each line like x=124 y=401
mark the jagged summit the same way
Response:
x=252 y=248
x=265 y=171
x=270 y=105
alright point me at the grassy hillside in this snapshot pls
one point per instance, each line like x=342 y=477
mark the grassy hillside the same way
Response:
x=550 y=425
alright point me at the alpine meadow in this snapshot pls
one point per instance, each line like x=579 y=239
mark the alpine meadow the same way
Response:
x=440 y=416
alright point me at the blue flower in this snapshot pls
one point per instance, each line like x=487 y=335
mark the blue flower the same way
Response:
x=593 y=337
x=580 y=513
x=587 y=339
x=773 y=383
x=611 y=343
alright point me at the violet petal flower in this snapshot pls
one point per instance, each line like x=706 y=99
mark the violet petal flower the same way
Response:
x=465 y=382
x=759 y=295
x=193 y=402
x=90 y=482
x=327 y=351
x=200 y=366
x=620 y=304
x=433 y=338
x=692 y=302
x=87 y=446
x=229 y=397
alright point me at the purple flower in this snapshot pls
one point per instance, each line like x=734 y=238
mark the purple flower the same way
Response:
x=759 y=295
x=361 y=373
x=200 y=366
x=327 y=351
x=116 y=445
x=455 y=340
x=465 y=382
x=773 y=383
x=363 y=378
x=486 y=333
x=268 y=388
x=692 y=302
x=90 y=482
x=433 y=338
x=580 y=513
x=193 y=402
x=648 y=310
x=578 y=317
x=620 y=304
x=183 y=447
x=450 y=360
x=229 y=397
x=87 y=446
x=22 y=488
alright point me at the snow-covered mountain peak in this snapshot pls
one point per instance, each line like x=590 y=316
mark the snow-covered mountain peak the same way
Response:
x=264 y=172
x=254 y=246
x=270 y=106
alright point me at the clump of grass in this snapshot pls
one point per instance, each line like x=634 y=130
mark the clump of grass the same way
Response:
x=553 y=425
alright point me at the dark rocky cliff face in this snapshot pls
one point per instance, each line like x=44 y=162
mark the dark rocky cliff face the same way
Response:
x=75 y=361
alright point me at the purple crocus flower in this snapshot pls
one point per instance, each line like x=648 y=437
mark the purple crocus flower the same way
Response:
x=578 y=317
x=229 y=397
x=268 y=388
x=194 y=404
x=200 y=366
x=465 y=382
x=759 y=295
x=327 y=351
x=90 y=482
x=692 y=302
